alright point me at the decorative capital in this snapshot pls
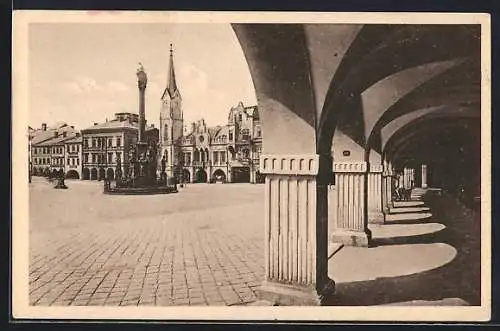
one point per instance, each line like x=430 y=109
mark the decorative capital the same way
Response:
x=349 y=167
x=376 y=168
x=306 y=164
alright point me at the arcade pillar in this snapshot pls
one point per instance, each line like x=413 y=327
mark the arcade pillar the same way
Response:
x=424 y=176
x=387 y=187
x=375 y=214
x=296 y=217
x=351 y=214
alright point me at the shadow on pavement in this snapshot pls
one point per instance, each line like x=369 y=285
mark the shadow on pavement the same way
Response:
x=460 y=278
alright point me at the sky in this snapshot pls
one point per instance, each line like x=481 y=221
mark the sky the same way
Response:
x=81 y=73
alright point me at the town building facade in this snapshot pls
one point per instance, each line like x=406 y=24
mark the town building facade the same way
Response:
x=48 y=148
x=198 y=153
x=73 y=160
x=106 y=146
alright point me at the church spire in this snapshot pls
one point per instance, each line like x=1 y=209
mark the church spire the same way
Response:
x=171 y=85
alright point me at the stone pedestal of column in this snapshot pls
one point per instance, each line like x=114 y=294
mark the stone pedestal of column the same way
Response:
x=375 y=212
x=296 y=228
x=351 y=215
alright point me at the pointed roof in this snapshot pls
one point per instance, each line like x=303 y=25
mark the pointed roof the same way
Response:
x=171 y=83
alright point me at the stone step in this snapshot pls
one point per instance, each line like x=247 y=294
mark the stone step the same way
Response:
x=401 y=210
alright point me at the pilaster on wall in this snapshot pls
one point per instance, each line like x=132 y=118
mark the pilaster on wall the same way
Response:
x=350 y=224
x=375 y=214
x=296 y=235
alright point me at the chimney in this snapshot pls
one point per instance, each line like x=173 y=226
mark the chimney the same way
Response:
x=95 y=123
x=44 y=126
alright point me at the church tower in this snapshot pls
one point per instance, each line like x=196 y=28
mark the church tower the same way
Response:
x=171 y=121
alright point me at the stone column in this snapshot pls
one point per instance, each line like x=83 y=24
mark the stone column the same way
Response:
x=406 y=177
x=387 y=188
x=424 y=176
x=351 y=215
x=375 y=214
x=296 y=236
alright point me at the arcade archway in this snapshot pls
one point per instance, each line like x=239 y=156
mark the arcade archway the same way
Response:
x=72 y=174
x=102 y=174
x=93 y=174
x=219 y=176
x=85 y=174
x=334 y=105
x=186 y=176
x=201 y=176
x=110 y=174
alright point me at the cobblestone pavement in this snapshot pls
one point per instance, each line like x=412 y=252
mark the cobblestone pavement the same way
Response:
x=202 y=246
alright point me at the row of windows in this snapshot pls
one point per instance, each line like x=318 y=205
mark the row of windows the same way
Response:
x=73 y=161
x=101 y=142
x=219 y=157
x=100 y=158
x=44 y=160
x=58 y=161
x=73 y=148
x=48 y=150
x=55 y=161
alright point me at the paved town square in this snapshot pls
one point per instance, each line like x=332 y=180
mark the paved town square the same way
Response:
x=186 y=248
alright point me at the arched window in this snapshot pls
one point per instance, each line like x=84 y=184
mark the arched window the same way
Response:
x=196 y=156
x=165 y=154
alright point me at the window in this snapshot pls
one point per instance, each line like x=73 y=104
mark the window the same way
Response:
x=77 y=162
x=94 y=158
x=230 y=135
x=246 y=153
x=118 y=141
x=110 y=142
x=118 y=156
x=86 y=158
x=245 y=134
x=239 y=117
x=110 y=157
x=78 y=148
x=222 y=157
x=216 y=157
x=94 y=143
x=69 y=161
x=85 y=143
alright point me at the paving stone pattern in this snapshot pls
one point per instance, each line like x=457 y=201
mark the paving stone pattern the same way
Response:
x=212 y=255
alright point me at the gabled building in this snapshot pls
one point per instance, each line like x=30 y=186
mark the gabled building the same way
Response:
x=48 y=149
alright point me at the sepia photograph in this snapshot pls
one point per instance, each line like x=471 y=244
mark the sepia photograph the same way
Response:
x=251 y=166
